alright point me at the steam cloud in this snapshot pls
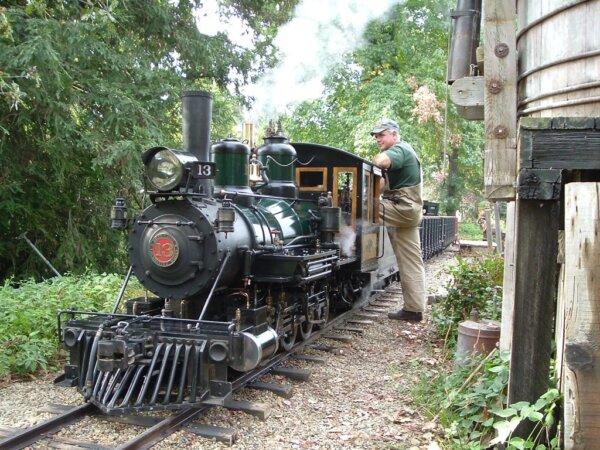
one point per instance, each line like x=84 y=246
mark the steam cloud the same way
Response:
x=346 y=239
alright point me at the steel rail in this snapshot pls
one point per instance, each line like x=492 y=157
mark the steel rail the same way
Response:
x=37 y=432
x=172 y=424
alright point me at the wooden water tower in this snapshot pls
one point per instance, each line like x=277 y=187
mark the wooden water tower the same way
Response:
x=540 y=89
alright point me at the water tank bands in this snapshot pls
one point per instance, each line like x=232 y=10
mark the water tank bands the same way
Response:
x=546 y=16
x=576 y=87
x=578 y=101
x=557 y=62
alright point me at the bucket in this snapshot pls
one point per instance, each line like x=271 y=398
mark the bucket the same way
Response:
x=476 y=338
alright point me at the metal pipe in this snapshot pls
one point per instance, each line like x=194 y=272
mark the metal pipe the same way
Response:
x=35 y=249
x=197 y=117
x=212 y=290
x=122 y=290
x=465 y=38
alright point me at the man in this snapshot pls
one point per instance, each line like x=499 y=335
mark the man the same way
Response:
x=402 y=210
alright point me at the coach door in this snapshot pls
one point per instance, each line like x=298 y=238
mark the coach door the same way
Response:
x=371 y=242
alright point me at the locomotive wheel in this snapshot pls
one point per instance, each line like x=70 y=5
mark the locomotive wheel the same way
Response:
x=288 y=339
x=307 y=326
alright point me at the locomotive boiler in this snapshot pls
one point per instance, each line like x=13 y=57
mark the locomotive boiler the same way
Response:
x=241 y=256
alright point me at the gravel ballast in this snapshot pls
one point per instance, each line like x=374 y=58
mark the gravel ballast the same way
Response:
x=357 y=399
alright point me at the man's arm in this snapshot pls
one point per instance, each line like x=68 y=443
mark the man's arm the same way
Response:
x=382 y=161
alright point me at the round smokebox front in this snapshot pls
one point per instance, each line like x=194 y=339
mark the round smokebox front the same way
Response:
x=173 y=250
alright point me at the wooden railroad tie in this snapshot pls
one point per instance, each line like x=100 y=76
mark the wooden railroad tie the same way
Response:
x=360 y=322
x=225 y=435
x=351 y=329
x=326 y=348
x=254 y=409
x=339 y=337
x=292 y=373
x=310 y=358
x=282 y=390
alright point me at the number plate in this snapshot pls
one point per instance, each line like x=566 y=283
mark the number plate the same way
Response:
x=206 y=170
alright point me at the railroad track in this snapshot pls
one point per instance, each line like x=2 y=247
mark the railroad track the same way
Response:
x=158 y=429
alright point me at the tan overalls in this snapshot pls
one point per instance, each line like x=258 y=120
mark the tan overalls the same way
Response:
x=402 y=218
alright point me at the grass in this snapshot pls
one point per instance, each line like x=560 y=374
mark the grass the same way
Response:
x=470 y=231
x=28 y=317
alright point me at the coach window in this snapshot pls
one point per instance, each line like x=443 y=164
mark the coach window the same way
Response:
x=311 y=179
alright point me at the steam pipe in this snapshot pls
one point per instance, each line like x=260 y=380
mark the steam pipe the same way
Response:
x=197 y=117
x=466 y=20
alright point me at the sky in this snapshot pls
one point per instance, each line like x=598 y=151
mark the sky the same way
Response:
x=317 y=38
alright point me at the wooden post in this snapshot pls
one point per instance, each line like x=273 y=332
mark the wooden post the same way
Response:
x=488 y=230
x=498 y=229
x=581 y=367
x=500 y=97
x=508 y=291
x=535 y=291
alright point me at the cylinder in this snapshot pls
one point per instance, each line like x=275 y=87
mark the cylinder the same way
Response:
x=559 y=58
x=197 y=117
x=476 y=338
x=331 y=218
x=465 y=38
x=255 y=348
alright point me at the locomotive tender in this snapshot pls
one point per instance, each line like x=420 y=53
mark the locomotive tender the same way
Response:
x=244 y=255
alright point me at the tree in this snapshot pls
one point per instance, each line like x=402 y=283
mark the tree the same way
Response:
x=85 y=86
x=399 y=72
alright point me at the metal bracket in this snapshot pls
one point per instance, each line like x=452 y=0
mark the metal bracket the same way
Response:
x=539 y=184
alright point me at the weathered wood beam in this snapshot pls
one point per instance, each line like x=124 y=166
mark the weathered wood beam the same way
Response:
x=581 y=352
x=500 y=97
x=534 y=303
x=508 y=291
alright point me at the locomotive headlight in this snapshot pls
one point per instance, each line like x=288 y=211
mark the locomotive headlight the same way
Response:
x=164 y=170
x=167 y=169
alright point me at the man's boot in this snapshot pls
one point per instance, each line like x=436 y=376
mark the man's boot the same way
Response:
x=408 y=316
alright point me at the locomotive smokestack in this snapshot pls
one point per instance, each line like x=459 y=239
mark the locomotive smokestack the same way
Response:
x=197 y=117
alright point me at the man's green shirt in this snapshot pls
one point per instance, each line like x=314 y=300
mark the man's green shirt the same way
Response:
x=405 y=169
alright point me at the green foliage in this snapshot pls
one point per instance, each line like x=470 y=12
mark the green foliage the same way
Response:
x=28 y=316
x=469 y=231
x=85 y=87
x=476 y=284
x=399 y=72
x=474 y=413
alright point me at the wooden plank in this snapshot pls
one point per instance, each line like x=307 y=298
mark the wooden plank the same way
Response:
x=581 y=369
x=488 y=230
x=535 y=290
x=559 y=328
x=497 y=228
x=500 y=96
x=508 y=291
x=467 y=94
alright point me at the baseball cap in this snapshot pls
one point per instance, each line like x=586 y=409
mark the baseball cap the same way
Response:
x=385 y=124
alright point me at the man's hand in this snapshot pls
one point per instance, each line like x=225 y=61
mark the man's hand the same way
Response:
x=382 y=161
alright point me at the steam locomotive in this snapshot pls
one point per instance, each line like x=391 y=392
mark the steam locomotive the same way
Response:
x=244 y=255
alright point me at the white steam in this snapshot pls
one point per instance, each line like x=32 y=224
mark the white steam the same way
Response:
x=346 y=239
x=317 y=38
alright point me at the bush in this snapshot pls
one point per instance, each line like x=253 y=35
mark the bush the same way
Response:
x=473 y=410
x=28 y=317
x=470 y=231
x=476 y=284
